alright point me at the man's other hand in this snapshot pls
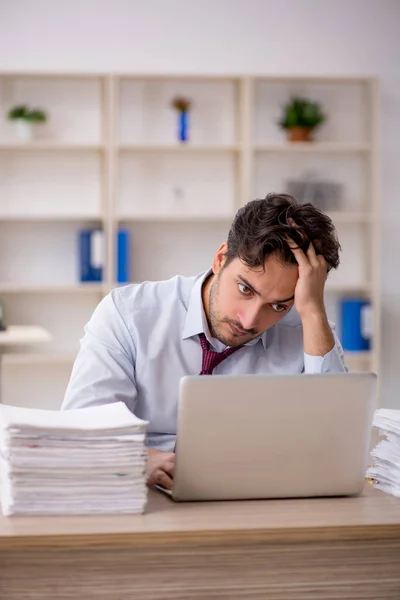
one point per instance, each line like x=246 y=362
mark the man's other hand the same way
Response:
x=160 y=468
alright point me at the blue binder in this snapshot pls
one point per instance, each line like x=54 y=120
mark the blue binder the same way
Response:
x=123 y=256
x=354 y=336
x=90 y=255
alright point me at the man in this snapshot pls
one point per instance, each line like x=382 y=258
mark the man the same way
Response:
x=260 y=309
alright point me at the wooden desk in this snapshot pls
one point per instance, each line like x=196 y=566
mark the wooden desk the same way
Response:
x=341 y=548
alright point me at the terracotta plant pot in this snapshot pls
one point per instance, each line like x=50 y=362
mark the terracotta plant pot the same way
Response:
x=299 y=134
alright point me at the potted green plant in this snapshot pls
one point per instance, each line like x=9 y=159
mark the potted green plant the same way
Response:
x=26 y=119
x=300 y=118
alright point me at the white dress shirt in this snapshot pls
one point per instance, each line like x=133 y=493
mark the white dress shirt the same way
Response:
x=143 y=338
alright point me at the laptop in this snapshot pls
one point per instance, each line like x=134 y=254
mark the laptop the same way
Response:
x=273 y=436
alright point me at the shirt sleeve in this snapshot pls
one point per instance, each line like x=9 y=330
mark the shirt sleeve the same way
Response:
x=104 y=370
x=333 y=362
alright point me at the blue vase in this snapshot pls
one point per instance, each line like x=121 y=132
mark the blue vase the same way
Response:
x=183 y=125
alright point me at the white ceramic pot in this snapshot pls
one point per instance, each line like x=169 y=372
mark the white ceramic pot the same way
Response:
x=24 y=130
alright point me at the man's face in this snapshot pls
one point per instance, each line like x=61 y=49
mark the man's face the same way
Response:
x=244 y=302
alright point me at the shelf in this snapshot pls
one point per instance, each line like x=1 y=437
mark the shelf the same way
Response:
x=177 y=148
x=20 y=288
x=16 y=335
x=337 y=217
x=49 y=146
x=48 y=218
x=31 y=358
x=107 y=289
x=342 y=217
x=192 y=219
x=313 y=148
x=176 y=77
x=346 y=288
x=359 y=356
x=315 y=79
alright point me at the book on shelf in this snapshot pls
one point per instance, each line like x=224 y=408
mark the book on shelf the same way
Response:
x=123 y=255
x=92 y=255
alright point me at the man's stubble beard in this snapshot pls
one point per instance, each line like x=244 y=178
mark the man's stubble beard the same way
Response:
x=215 y=318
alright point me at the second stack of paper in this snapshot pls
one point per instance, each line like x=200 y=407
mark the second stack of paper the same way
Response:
x=385 y=471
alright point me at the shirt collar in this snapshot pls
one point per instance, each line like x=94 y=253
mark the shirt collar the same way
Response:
x=196 y=321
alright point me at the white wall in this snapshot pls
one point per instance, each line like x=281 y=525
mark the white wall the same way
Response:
x=354 y=37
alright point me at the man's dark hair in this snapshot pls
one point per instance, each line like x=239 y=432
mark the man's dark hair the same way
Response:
x=261 y=228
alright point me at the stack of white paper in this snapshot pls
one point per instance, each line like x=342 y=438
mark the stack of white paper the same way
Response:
x=91 y=460
x=385 y=470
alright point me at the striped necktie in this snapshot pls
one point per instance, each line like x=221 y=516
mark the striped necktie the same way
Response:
x=210 y=358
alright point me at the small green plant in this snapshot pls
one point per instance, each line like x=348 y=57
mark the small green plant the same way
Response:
x=23 y=112
x=300 y=112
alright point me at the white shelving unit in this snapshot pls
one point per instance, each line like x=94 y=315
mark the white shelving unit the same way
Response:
x=109 y=157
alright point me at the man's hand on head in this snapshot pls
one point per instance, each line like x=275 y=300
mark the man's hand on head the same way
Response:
x=309 y=292
x=318 y=338
x=160 y=468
